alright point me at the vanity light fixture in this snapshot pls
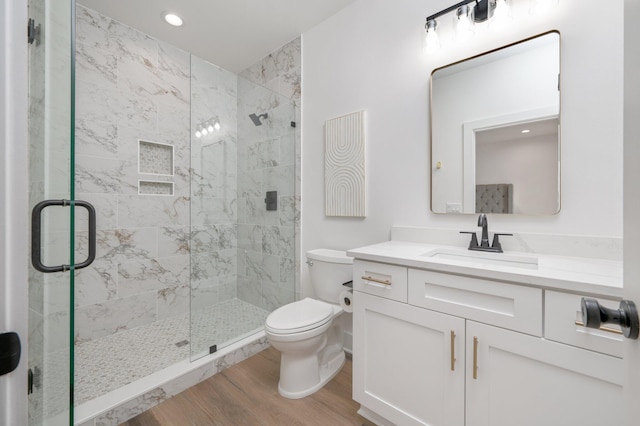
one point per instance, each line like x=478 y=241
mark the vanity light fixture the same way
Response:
x=501 y=13
x=172 y=19
x=432 y=39
x=207 y=127
x=467 y=13
x=465 y=21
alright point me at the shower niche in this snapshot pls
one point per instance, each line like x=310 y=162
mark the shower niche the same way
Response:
x=155 y=159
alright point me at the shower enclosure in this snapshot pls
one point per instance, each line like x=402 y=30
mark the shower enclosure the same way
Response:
x=189 y=256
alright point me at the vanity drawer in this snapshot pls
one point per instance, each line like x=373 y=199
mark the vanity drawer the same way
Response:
x=509 y=306
x=563 y=321
x=379 y=279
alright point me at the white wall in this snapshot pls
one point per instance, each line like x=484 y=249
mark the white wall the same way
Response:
x=530 y=164
x=369 y=56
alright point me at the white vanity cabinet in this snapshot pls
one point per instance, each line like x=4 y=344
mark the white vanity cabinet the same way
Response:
x=403 y=366
x=471 y=351
x=516 y=379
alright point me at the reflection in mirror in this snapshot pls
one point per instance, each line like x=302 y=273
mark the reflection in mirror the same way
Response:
x=495 y=131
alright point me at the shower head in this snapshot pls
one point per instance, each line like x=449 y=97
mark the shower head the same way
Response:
x=256 y=118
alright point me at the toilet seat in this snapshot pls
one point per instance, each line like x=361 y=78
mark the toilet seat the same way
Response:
x=299 y=316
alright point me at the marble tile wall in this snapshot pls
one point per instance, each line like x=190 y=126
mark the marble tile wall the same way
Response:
x=280 y=71
x=268 y=160
x=213 y=186
x=212 y=240
x=130 y=87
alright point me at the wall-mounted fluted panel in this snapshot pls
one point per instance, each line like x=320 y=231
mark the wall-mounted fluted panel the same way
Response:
x=344 y=166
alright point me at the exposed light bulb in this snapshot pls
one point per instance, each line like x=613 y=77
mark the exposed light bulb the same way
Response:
x=501 y=13
x=198 y=134
x=216 y=125
x=432 y=40
x=464 y=25
x=210 y=128
x=204 y=132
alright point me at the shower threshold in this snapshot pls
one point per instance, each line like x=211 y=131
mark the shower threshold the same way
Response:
x=135 y=398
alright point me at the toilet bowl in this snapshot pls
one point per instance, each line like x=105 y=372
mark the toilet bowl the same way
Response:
x=308 y=333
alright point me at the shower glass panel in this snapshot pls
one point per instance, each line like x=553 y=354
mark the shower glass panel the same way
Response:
x=50 y=177
x=242 y=254
x=188 y=257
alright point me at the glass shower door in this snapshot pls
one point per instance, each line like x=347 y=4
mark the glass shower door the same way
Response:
x=243 y=256
x=51 y=59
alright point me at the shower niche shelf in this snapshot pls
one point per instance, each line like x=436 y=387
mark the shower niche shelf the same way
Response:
x=148 y=187
x=155 y=158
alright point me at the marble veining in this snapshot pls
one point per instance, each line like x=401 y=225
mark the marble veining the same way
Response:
x=140 y=276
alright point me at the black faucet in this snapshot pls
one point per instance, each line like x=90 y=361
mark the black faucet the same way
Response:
x=482 y=221
x=495 y=246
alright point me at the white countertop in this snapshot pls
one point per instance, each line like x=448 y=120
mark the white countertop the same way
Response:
x=582 y=275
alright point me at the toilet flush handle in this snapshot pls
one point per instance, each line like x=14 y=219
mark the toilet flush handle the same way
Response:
x=309 y=262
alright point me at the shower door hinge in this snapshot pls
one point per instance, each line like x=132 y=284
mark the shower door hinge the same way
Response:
x=33 y=32
x=30 y=382
x=33 y=379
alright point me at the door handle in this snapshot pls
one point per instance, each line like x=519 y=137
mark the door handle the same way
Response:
x=36 y=235
x=594 y=315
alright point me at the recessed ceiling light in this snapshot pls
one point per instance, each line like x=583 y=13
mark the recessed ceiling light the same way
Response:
x=525 y=131
x=172 y=19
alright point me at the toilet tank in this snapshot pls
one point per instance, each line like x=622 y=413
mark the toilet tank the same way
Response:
x=329 y=269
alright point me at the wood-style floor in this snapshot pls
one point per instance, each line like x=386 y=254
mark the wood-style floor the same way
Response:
x=247 y=394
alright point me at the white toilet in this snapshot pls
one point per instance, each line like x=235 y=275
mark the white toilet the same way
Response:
x=308 y=332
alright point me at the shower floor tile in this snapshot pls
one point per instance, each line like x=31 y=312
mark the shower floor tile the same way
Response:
x=106 y=364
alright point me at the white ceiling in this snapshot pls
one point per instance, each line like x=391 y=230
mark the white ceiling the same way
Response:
x=513 y=133
x=233 y=34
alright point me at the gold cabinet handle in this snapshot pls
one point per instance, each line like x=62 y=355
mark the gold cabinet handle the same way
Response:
x=602 y=327
x=453 y=350
x=475 y=357
x=385 y=282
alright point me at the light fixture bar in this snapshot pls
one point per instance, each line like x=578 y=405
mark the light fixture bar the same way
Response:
x=450 y=9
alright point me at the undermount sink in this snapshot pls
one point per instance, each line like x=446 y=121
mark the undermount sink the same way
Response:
x=483 y=258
